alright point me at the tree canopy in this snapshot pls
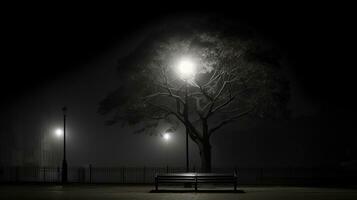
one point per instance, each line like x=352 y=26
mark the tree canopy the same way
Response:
x=237 y=74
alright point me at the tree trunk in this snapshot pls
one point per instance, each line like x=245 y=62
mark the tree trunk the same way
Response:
x=205 y=147
x=205 y=153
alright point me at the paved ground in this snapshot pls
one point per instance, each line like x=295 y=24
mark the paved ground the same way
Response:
x=143 y=192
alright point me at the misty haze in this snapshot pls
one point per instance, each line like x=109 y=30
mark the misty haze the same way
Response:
x=122 y=100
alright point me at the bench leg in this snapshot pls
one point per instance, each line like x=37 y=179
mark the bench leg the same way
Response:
x=235 y=186
x=196 y=186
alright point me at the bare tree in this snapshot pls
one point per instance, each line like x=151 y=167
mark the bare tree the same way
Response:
x=233 y=78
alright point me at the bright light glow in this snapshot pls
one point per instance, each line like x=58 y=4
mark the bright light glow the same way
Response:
x=167 y=136
x=186 y=68
x=58 y=132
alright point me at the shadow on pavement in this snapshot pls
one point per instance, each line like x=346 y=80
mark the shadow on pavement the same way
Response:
x=198 y=191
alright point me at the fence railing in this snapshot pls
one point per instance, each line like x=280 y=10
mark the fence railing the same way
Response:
x=145 y=175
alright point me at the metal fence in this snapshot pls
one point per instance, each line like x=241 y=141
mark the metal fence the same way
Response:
x=145 y=175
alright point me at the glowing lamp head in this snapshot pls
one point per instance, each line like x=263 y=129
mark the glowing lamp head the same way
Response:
x=58 y=132
x=186 y=69
x=166 y=136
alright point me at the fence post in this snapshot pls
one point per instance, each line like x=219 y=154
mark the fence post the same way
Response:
x=44 y=174
x=90 y=173
x=79 y=174
x=17 y=174
x=144 y=174
x=58 y=175
x=123 y=174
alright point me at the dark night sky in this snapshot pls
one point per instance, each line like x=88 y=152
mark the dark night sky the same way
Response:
x=54 y=58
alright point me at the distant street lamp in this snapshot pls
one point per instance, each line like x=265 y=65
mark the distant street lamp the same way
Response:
x=187 y=71
x=167 y=136
x=59 y=132
x=64 y=162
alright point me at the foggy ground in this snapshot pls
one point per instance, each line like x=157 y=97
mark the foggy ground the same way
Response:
x=143 y=192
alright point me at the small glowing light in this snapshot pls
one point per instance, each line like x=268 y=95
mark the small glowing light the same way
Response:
x=167 y=136
x=58 y=132
x=186 y=68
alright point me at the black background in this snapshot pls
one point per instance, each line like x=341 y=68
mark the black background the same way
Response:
x=42 y=44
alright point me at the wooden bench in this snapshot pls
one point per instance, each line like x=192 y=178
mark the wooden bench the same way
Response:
x=196 y=178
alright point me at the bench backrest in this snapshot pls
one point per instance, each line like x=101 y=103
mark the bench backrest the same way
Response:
x=196 y=175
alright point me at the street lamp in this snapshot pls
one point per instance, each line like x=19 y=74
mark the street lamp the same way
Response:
x=64 y=162
x=187 y=71
x=58 y=132
x=167 y=136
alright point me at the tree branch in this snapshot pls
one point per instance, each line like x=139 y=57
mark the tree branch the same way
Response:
x=231 y=119
x=230 y=99
x=146 y=98
x=179 y=116
x=166 y=109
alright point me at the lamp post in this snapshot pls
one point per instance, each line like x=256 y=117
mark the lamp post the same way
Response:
x=64 y=162
x=187 y=70
x=185 y=112
x=167 y=138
